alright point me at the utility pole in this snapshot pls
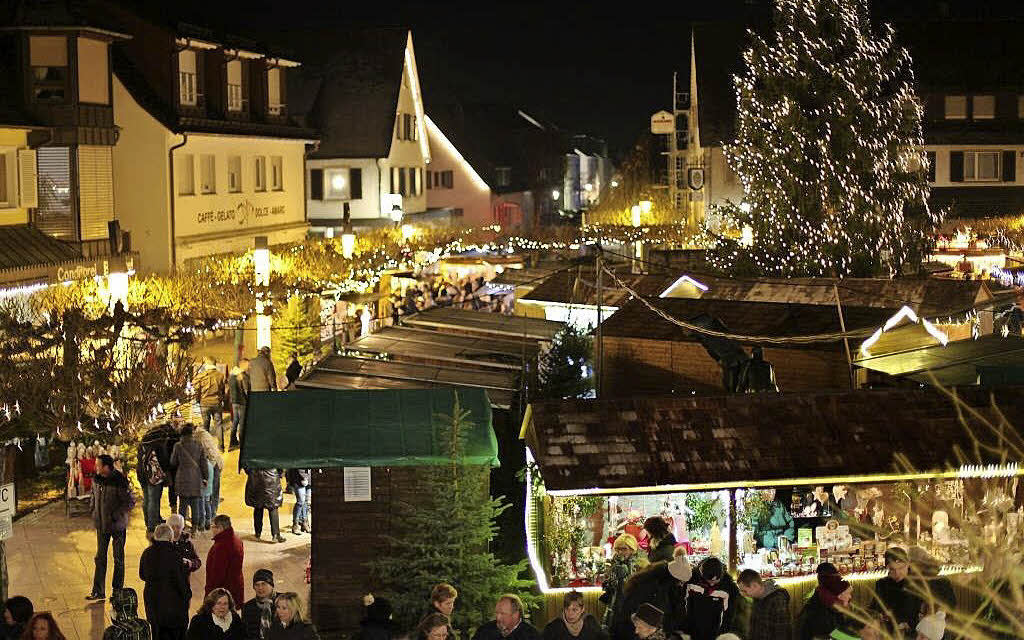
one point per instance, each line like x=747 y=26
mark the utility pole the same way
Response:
x=599 y=361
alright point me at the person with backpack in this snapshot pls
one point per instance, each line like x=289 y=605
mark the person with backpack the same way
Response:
x=153 y=470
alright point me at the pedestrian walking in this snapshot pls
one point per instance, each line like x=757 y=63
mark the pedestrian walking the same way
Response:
x=111 y=504
x=167 y=593
x=238 y=391
x=293 y=371
x=214 y=460
x=216 y=619
x=42 y=626
x=190 y=475
x=300 y=483
x=154 y=470
x=209 y=386
x=224 y=560
x=710 y=600
x=574 y=623
x=508 y=622
x=17 y=612
x=258 y=613
x=262 y=375
x=263 y=493
x=291 y=623
x=769 y=618
x=125 y=623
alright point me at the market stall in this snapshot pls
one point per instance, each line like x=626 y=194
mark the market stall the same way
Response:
x=772 y=482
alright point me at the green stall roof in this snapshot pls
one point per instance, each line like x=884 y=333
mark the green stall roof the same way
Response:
x=322 y=428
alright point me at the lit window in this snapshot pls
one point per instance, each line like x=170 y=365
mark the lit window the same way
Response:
x=235 y=85
x=981 y=165
x=984 y=107
x=48 y=57
x=259 y=173
x=208 y=173
x=186 y=174
x=956 y=107
x=187 y=94
x=234 y=174
x=337 y=183
x=276 y=177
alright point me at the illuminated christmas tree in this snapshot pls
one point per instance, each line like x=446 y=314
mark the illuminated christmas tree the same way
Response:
x=828 y=150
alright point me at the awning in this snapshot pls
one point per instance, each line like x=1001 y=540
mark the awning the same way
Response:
x=956 y=364
x=318 y=428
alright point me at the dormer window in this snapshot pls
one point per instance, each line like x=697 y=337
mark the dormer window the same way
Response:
x=48 y=57
x=187 y=81
x=234 y=85
x=275 y=105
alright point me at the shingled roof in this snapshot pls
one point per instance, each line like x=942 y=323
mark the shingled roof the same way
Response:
x=579 y=286
x=644 y=443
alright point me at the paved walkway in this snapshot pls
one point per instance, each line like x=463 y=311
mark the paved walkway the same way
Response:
x=50 y=557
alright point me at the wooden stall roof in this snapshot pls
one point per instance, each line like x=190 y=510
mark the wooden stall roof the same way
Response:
x=340 y=372
x=440 y=347
x=651 y=443
x=579 y=286
x=954 y=364
x=484 y=323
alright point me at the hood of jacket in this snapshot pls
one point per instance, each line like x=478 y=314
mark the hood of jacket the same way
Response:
x=226 y=534
x=769 y=588
x=125 y=603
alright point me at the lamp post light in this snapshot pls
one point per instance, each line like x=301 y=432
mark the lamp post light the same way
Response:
x=261 y=273
x=646 y=205
x=117 y=280
x=396 y=215
x=348 y=238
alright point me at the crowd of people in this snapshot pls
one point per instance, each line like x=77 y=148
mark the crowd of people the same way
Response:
x=438 y=291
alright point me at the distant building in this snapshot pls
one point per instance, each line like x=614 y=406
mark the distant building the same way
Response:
x=588 y=172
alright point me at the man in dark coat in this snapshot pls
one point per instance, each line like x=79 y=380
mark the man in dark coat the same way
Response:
x=895 y=600
x=191 y=474
x=263 y=491
x=167 y=592
x=238 y=390
x=224 y=561
x=770 y=617
x=126 y=624
x=154 y=470
x=262 y=375
x=508 y=623
x=660 y=585
x=294 y=370
x=710 y=601
x=258 y=614
x=111 y=504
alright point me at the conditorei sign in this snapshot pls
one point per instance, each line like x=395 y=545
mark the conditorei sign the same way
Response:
x=77 y=272
x=242 y=213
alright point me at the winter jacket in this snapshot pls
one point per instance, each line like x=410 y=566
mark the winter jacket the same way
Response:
x=210 y=387
x=211 y=451
x=126 y=623
x=769 y=618
x=375 y=630
x=294 y=631
x=897 y=601
x=556 y=630
x=293 y=372
x=619 y=570
x=224 y=565
x=190 y=471
x=238 y=388
x=202 y=627
x=489 y=631
x=262 y=375
x=298 y=477
x=111 y=502
x=167 y=591
x=655 y=585
x=187 y=551
x=818 y=620
x=665 y=551
x=263 y=488
x=710 y=610
x=256 y=619
x=159 y=441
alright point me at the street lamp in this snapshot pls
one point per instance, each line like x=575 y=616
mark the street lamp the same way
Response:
x=117 y=280
x=396 y=214
x=261 y=272
x=348 y=238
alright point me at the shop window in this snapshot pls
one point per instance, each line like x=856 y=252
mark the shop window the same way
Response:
x=93 y=71
x=276 y=174
x=259 y=170
x=208 y=173
x=187 y=81
x=186 y=174
x=956 y=107
x=275 y=104
x=234 y=85
x=981 y=166
x=48 y=57
x=234 y=174
x=983 y=107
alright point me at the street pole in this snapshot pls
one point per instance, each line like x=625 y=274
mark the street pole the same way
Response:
x=599 y=361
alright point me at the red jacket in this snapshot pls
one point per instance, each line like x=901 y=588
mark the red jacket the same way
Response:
x=224 y=565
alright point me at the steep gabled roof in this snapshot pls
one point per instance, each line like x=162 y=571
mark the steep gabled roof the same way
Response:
x=352 y=97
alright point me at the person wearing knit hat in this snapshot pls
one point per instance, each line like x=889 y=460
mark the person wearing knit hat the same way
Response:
x=647 y=621
x=823 y=613
x=258 y=613
x=932 y=627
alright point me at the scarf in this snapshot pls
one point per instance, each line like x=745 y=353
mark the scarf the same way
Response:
x=574 y=629
x=224 y=623
x=266 y=606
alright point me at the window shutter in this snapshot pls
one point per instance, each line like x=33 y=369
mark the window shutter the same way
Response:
x=394 y=180
x=956 y=166
x=429 y=176
x=355 y=181
x=316 y=184
x=28 y=188
x=96 y=191
x=1009 y=166
x=931 y=166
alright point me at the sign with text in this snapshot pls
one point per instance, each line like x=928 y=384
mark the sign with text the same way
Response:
x=7 y=500
x=242 y=213
x=663 y=122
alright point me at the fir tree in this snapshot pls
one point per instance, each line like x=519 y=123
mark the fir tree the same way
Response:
x=565 y=368
x=445 y=538
x=829 y=149
x=296 y=330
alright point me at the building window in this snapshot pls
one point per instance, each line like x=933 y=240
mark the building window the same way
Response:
x=207 y=173
x=5 y=179
x=93 y=71
x=259 y=170
x=276 y=176
x=275 y=105
x=337 y=183
x=503 y=176
x=186 y=175
x=448 y=179
x=187 y=93
x=956 y=107
x=234 y=174
x=981 y=165
x=430 y=179
x=235 y=85
x=48 y=56
x=984 y=107
x=55 y=213
x=1020 y=107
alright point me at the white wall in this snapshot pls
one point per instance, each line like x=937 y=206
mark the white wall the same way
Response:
x=942 y=164
x=366 y=207
x=406 y=153
x=469 y=192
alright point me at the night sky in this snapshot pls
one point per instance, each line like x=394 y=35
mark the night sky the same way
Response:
x=595 y=68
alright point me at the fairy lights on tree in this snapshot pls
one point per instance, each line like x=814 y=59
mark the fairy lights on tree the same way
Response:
x=829 y=149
